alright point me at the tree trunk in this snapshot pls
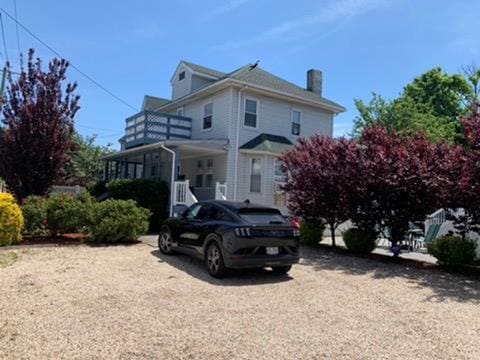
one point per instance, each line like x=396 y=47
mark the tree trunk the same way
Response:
x=332 y=232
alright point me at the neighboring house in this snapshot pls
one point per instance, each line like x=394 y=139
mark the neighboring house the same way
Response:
x=221 y=134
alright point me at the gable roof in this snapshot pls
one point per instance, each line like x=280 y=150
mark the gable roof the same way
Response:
x=260 y=79
x=153 y=102
x=268 y=143
x=204 y=70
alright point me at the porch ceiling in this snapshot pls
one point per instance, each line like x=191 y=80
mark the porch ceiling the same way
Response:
x=186 y=148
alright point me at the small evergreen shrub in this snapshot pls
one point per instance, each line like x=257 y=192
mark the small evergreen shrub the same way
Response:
x=116 y=221
x=34 y=210
x=311 y=232
x=453 y=252
x=11 y=220
x=68 y=213
x=360 y=241
x=149 y=194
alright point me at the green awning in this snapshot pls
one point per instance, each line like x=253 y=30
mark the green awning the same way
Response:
x=268 y=143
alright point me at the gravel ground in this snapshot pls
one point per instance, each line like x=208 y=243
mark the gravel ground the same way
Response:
x=130 y=302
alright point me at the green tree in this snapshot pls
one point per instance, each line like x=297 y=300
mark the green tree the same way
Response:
x=85 y=166
x=432 y=103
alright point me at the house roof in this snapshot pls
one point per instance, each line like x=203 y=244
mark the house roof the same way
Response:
x=268 y=143
x=153 y=102
x=259 y=78
x=204 y=70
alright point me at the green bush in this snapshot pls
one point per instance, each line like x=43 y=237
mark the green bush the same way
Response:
x=453 y=252
x=68 y=213
x=360 y=241
x=35 y=213
x=11 y=220
x=149 y=194
x=98 y=188
x=311 y=232
x=117 y=221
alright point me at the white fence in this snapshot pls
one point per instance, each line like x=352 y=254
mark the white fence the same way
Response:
x=220 y=191
x=182 y=194
x=59 y=189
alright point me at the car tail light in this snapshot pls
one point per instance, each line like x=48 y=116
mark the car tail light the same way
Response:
x=242 y=232
x=295 y=222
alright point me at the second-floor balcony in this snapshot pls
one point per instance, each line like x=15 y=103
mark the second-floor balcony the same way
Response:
x=148 y=127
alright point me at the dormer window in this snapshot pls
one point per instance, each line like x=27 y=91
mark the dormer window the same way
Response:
x=181 y=76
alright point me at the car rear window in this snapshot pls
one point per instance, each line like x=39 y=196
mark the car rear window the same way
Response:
x=262 y=216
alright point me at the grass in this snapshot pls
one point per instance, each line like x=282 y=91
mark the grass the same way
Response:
x=7 y=259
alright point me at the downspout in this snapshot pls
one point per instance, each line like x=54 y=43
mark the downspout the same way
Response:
x=237 y=139
x=172 y=179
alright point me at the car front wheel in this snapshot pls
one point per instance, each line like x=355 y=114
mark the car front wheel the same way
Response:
x=214 y=259
x=281 y=270
x=165 y=242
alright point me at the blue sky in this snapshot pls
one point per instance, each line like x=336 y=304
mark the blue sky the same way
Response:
x=133 y=47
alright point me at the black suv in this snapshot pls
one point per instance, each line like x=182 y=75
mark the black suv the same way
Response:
x=228 y=234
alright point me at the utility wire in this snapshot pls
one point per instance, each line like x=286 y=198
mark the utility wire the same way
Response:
x=16 y=27
x=3 y=37
x=72 y=65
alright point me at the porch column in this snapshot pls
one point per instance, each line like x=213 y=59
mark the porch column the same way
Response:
x=116 y=169
x=105 y=171
x=143 y=165
x=125 y=169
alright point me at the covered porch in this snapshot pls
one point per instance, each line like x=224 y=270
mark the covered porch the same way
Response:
x=194 y=169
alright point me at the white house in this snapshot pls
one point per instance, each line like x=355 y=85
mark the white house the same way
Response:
x=221 y=133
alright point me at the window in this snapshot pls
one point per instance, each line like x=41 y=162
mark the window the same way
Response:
x=192 y=211
x=280 y=176
x=219 y=214
x=296 y=117
x=262 y=216
x=209 y=180
x=256 y=175
x=199 y=181
x=207 y=116
x=210 y=163
x=200 y=164
x=180 y=111
x=181 y=76
x=250 y=113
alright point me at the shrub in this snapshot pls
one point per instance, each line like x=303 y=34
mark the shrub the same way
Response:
x=453 y=252
x=118 y=221
x=311 y=232
x=149 y=194
x=11 y=220
x=34 y=210
x=360 y=241
x=98 y=188
x=68 y=213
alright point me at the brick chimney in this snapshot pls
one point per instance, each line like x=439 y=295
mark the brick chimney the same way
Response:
x=314 y=81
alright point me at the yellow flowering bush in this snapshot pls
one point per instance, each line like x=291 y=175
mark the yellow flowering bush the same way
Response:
x=11 y=220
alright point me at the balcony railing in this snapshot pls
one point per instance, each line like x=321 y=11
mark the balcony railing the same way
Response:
x=148 y=127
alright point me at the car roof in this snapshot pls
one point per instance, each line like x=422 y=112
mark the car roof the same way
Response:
x=237 y=205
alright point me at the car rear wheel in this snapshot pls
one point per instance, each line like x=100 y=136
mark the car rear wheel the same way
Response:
x=165 y=242
x=214 y=259
x=281 y=270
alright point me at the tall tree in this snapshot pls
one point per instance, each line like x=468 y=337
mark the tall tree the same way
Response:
x=85 y=166
x=323 y=176
x=433 y=103
x=38 y=118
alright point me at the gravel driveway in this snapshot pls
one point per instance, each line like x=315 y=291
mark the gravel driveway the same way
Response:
x=130 y=302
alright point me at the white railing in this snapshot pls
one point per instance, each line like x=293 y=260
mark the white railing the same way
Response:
x=3 y=186
x=438 y=217
x=220 y=191
x=61 y=189
x=182 y=193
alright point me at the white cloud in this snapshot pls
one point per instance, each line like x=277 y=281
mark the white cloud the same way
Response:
x=335 y=10
x=226 y=7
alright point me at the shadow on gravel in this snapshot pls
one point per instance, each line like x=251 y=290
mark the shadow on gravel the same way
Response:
x=198 y=269
x=445 y=286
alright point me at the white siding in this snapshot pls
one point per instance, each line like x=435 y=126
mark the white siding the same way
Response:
x=181 y=87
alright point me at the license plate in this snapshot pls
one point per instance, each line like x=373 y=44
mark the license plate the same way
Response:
x=272 y=250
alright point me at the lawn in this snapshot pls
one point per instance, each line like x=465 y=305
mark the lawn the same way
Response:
x=131 y=302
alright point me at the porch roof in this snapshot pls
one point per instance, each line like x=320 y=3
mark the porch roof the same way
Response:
x=273 y=144
x=187 y=147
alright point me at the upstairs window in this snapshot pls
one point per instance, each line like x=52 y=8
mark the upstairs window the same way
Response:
x=207 y=116
x=250 y=113
x=180 y=111
x=296 y=118
x=181 y=76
